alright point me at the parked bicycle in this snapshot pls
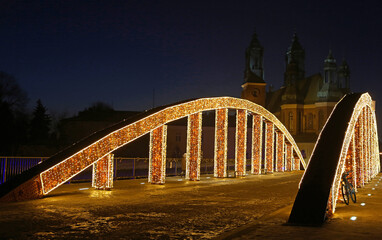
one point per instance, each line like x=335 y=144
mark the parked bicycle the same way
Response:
x=347 y=189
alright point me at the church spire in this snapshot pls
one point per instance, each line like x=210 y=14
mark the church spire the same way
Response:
x=344 y=76
x=254 y=71
x=296 y=54
x=254 y=85
x=330 y=69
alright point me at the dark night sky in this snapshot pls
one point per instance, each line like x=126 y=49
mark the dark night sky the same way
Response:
x=73 y=53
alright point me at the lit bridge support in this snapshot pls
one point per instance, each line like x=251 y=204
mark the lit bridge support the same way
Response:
x=103 y=173
x=347 y=143
x=221 y=131
x=241 y=142
x=157 y=157
x=194 y=146
x=269 y=146
x=280 y=155
x=95 y=151
x=257 y=140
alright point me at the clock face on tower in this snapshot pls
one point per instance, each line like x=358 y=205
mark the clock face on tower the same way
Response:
x=256 y=92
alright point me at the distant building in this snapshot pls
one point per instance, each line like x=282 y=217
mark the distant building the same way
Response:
x=303 y=103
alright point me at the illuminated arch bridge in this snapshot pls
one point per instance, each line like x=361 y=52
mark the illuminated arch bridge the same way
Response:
x=268 y=135
x=347 y=143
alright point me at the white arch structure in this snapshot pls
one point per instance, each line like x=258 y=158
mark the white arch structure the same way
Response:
x=347 y=143
x=281 y=152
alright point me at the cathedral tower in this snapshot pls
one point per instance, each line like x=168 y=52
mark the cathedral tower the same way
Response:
x=295 y=55
x=330 y=91
x=254 y=84
x=344 y=76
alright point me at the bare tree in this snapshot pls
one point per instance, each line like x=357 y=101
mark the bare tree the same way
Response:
x=11 y=94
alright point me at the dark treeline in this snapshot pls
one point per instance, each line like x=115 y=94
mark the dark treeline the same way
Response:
x=36 y=132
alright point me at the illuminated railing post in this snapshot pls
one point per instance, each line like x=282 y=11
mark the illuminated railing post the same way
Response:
x=103 y=173
x=194 y=143
x=241 y=142
x=280 y=151
x=257 y=140
x=220 y=158
x=269 y=146
x=157 y=158
x=288 y=157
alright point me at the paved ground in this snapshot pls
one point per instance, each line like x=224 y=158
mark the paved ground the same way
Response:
x=368 y=223
x=253 y=207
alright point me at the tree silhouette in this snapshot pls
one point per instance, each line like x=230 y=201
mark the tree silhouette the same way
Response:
x=40 y=125
x=13 y=123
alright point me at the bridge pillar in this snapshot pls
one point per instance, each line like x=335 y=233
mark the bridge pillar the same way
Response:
x=103 y=173
x=369 y=141
x=366 y=143
x=280 y=151
x=257 y=140
x=296 y=160
x=194 y=143
x=350 y=165
x=157 y=159
x=288 y=157
x=354 y=163
x=358 y=151
x=269 y=146
x=241 y=142
x=364 y=149
x=220 y=158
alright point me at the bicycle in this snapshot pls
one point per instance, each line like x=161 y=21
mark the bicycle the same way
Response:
x=347 y=189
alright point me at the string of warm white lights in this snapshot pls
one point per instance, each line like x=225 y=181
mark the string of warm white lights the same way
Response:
x=269 y=146
x=193 y=155
x=359 y=152
x=241 y=142
x=288 y=157
x=157 y=157
x=103 y=173
x=257 y=140
x=280 y=151
x=79 y=161
x=220 y=158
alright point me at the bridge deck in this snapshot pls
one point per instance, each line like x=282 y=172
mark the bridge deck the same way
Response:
x=255 y=207
x=133 y=210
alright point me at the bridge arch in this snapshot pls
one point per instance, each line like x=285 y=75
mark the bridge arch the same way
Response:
x=96 y=149
x=347 y=143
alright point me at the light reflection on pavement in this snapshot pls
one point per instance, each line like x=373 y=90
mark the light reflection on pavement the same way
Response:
x=176 y=210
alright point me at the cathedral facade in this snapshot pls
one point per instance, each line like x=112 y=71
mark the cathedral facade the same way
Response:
x=303 y=103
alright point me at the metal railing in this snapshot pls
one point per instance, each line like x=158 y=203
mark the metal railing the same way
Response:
x=12 y=166
x=124 y=168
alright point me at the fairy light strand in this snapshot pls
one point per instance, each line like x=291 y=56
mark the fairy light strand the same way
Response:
x=241 y=142
x=79 y=161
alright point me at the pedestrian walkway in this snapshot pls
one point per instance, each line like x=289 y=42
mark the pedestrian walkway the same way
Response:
x=361 y=220
x=252 y=207
x=134 y=209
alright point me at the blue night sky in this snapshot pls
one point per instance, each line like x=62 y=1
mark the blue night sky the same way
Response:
x=74 y=53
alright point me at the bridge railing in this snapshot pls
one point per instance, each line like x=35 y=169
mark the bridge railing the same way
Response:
x=124 y=168
x=12 y=166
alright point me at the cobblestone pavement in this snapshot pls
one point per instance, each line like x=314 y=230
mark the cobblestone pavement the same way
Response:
x=367 y=210
x=135 y=209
